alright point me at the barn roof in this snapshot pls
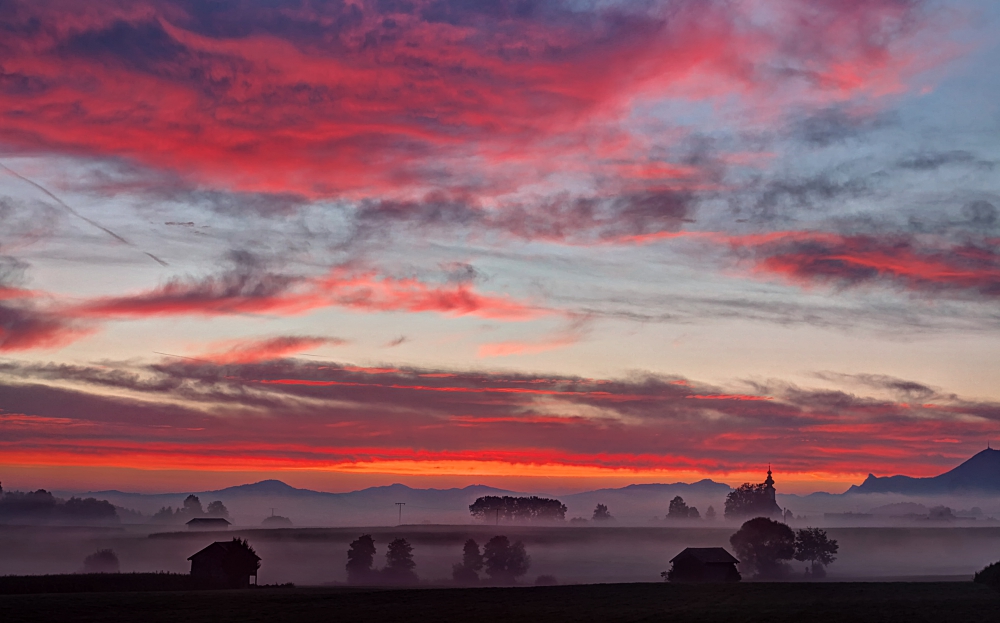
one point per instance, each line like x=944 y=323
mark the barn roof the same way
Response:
x=223 y=548
x=707 y=555
x=208 y=521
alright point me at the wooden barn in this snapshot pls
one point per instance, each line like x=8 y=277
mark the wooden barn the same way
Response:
x=226 y=564
x=704 y=564
x=208 y=523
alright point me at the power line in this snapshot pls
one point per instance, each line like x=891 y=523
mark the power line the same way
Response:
x=400 y=505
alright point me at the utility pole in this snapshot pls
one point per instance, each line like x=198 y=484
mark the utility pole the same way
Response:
x=400 y=505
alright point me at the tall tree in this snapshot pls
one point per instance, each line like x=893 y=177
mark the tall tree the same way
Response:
x=762 y=545
x=710 y=513
x=360 y=557
x=218 y=509
x=601 y=513
x=813 y=545
x=192 y=506
x=678 y=509
x=399 y=563
x=505 y=562
x=467 y=572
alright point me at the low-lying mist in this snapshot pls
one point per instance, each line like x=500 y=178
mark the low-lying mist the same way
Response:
x=316 y=556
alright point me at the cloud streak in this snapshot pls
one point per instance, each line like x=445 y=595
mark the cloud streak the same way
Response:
x=969 y=268
x=282 y=414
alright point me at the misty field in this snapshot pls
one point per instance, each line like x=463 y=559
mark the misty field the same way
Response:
x=316 y=556
x=607 y=603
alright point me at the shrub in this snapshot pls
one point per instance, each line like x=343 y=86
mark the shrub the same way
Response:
x=102 y=561
x=990 y=576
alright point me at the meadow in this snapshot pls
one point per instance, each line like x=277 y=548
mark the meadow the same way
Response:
x=587 y=555
x=606 y=603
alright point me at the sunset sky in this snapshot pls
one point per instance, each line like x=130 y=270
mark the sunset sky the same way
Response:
x=548 y=245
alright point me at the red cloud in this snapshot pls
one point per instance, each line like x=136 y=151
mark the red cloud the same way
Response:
x=23 y=326
x=332 y=416
x=922 y=265
x=350 y=98
x=246 y=290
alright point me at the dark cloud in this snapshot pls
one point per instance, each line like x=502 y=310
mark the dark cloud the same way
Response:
x=911 y=390
x=144 y=46
x=836 y=125
x=785 y=198
x=23 y=325
x=933 y=160
x=565 y=219
x=981 y=214
x=402 y=339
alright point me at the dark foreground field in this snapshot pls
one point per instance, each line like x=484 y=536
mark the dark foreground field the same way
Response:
x=796 y=602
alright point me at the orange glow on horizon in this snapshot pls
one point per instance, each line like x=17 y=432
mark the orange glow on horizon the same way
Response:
x=474 y=471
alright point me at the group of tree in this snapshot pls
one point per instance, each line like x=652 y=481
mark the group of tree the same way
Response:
x=398 y=567
x=44 y=508
x=502 y=560
x=749 y=500
x=678 y=509
x=192 y=508
x=764 y=545
x=517 y=509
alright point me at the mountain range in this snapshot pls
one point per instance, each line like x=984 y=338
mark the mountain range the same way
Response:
x=979 y=474
x=248 y=504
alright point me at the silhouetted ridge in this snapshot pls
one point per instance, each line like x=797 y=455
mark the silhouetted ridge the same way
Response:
x=979 y=473
x=266 y=487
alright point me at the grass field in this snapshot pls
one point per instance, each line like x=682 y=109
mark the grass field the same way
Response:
x=744 y=602
x=316 y=556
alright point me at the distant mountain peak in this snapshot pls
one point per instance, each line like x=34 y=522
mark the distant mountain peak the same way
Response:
x=981 y=472
x=270 y=486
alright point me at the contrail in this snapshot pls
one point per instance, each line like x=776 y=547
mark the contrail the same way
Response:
x=75 y=213
x=156 y=352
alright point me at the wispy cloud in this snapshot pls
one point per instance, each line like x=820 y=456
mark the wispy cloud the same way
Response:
x=426 y=416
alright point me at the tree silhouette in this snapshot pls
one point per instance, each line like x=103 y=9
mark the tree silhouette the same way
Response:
x=399 y=563
x=467 y=572
x=102 y=561
x=762 y=544
x=989 y=575
x=748 y=500
x=192 y=506
x=710 y=513
x=601 y=513
x=360 y=557
x=678 y=509
x=505 y=562
x=218 y=509
x=511 y=508
x=812 y=545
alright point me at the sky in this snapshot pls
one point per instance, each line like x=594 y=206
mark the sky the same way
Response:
x=544 y=245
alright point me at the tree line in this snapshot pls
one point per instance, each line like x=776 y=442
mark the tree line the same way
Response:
x=521 y=509
x=502 y=561
x=42 y=507
x=191 y=509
